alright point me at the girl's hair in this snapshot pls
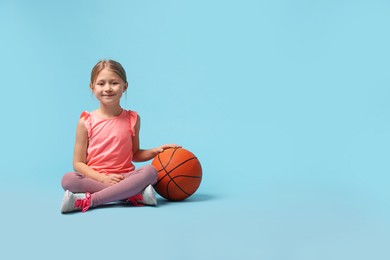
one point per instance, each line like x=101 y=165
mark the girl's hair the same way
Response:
x=110 y=64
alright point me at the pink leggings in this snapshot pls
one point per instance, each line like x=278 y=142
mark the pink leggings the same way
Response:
x=133 y=183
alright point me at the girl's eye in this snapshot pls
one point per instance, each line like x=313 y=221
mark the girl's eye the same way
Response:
x=115 y=83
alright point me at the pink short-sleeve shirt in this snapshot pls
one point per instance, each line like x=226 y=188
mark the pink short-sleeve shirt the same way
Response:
x=110 y=142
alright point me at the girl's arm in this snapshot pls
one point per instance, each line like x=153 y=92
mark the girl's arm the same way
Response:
x=80 y=158
x=142 y=155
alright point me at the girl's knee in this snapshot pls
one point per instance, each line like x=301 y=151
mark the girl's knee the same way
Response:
x=152 y=172
x=67 y=180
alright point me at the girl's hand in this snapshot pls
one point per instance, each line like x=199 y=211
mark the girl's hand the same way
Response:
x=163 y=147
x=111 y=179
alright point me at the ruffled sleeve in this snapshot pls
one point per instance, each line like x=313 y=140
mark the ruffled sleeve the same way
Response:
x=87 y=121
x=132 y=116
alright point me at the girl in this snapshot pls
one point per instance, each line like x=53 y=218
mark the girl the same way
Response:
x=107 y=141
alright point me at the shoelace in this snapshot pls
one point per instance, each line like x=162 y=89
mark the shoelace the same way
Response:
x=85 y=203
x=135 y=200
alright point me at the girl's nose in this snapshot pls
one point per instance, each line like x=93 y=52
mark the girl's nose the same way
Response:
x=108 y=88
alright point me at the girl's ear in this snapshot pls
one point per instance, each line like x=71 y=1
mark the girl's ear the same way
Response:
x=91 y=86
x=125 y=87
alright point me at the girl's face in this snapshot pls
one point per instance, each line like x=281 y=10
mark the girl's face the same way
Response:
x=108 y=87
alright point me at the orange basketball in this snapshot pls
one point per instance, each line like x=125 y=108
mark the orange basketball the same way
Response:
x=179 y=174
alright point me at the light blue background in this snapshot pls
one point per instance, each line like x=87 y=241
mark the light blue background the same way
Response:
x=285 y=103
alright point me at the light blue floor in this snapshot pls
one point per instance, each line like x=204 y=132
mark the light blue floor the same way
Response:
x=276 y=221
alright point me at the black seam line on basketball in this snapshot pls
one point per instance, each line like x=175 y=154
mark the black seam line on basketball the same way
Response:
x=172 y=179
x=175 y=167
x=195 y=177
x=170 y=159
x=177 y=185
x=164 y=167
x=167 y=173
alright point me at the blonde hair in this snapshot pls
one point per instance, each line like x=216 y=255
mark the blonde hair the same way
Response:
x=110 y=64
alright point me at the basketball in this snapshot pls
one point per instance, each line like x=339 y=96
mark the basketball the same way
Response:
x=179 y=174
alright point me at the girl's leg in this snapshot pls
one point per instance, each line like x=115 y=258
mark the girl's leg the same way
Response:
x=134 y=182
x=79 y=183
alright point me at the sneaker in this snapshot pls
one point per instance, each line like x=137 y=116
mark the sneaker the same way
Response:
x=147 y=197
x=75 y=202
